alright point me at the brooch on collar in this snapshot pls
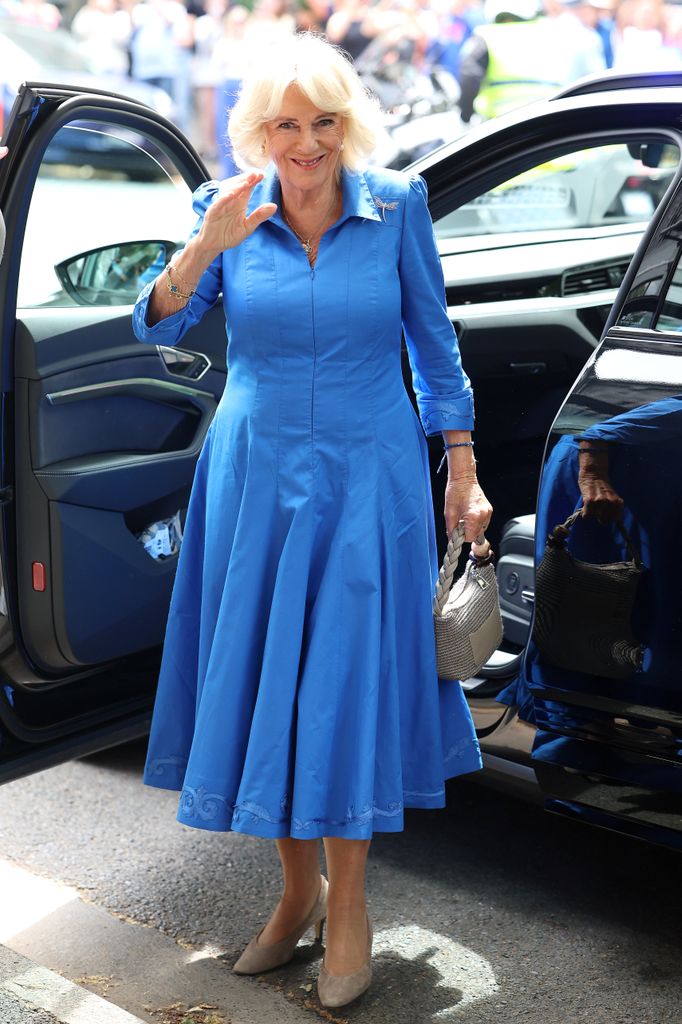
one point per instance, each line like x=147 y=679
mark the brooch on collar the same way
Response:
x=381 y=205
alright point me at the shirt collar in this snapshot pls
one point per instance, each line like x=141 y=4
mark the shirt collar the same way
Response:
x=357 y=198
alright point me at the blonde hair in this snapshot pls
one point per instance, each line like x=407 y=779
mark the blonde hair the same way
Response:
x=325 y=75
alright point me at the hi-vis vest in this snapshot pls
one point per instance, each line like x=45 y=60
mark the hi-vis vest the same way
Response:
x=519 y=66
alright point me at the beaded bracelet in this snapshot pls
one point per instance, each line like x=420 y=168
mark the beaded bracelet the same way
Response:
x=481 y=560
x=455 y=444
x=173 y=288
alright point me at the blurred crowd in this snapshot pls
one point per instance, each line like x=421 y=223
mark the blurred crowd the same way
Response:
x=497 y=53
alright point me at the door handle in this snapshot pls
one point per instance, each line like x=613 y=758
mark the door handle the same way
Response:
x=528 y=369
x=180 y=362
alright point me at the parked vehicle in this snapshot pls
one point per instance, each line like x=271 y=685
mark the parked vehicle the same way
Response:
x=559 y=229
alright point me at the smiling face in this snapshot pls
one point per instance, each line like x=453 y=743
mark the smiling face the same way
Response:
x=305 y=143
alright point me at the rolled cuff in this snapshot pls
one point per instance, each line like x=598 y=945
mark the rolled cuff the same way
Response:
x=439 y=414
x=167 y=330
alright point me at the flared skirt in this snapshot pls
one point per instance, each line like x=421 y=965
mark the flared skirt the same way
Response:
x=298 y=693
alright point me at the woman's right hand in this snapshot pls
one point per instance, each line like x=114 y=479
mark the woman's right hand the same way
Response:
x=600 y=500
x=225 y=223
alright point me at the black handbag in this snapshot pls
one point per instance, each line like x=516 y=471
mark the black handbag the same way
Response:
x=583 y=611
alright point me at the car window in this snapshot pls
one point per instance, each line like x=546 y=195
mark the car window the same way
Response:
x=595 y=187
x=670 y=317
x=100 y=187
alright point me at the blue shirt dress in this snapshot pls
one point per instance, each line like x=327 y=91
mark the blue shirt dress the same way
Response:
x=298 y=693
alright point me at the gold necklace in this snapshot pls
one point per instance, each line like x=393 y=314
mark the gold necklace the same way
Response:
x=307 y=243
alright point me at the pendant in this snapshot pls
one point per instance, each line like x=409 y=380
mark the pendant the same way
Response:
x=307 y=247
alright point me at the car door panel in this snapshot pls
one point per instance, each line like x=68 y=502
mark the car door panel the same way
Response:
x=609 y=749
x=105 y=431
x=52 y=341
x=111 y=444
x=107 y=591
x=141 y=422
x=603 y=750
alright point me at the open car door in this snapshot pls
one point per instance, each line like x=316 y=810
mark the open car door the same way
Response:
x=100 y=434
x=544 y=222
x=603 y=665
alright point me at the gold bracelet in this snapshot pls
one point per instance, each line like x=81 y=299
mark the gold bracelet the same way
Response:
x=183 y=279
x=173 y=288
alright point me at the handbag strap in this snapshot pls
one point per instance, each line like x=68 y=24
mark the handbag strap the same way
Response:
x=559 y=535
x=447 y=570
x=446 y=576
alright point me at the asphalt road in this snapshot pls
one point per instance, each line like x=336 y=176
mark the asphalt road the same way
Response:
x=490 y=912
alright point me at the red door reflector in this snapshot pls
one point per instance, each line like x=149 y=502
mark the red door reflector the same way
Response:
x=38 y=570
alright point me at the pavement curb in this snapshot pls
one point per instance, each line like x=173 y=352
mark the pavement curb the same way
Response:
x=23 y=983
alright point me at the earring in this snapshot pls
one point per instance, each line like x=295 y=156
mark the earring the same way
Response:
x=342 y=146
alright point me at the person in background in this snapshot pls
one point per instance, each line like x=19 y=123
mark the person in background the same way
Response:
x=522 y=57
x=206 y=76
x=454 y=28
x=37 y=12
x=159 y=49
x=103 y=30
x=310 y=16
x=405 y=31
x=351 y=27
x=503 y=64
x=271 y=22
x=231 y=58
x=575 y=45
x=642 y=40
x=598 y=14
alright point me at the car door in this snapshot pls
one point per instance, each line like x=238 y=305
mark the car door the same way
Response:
x=603 y=665
x=603 y=739
x=100 y=433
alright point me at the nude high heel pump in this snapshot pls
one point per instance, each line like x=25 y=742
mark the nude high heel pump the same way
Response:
x=256 y=958
x=337 y=990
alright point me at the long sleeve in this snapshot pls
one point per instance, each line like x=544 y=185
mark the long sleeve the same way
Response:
x=170 y=330
x=444 y=395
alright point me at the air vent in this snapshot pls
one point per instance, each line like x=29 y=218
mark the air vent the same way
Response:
x=503 y=291
x=595 y=277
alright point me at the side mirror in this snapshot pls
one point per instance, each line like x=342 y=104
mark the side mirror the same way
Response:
x=113 y=275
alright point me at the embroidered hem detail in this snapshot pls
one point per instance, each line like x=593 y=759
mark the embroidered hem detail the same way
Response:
x=200 y=807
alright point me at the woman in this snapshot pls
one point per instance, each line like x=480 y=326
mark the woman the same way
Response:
x=351 y=26
x=298 y=695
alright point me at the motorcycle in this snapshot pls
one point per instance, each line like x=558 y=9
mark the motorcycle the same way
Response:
x=420 y=105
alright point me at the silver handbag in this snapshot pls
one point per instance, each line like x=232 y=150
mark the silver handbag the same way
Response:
x=466 y=613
